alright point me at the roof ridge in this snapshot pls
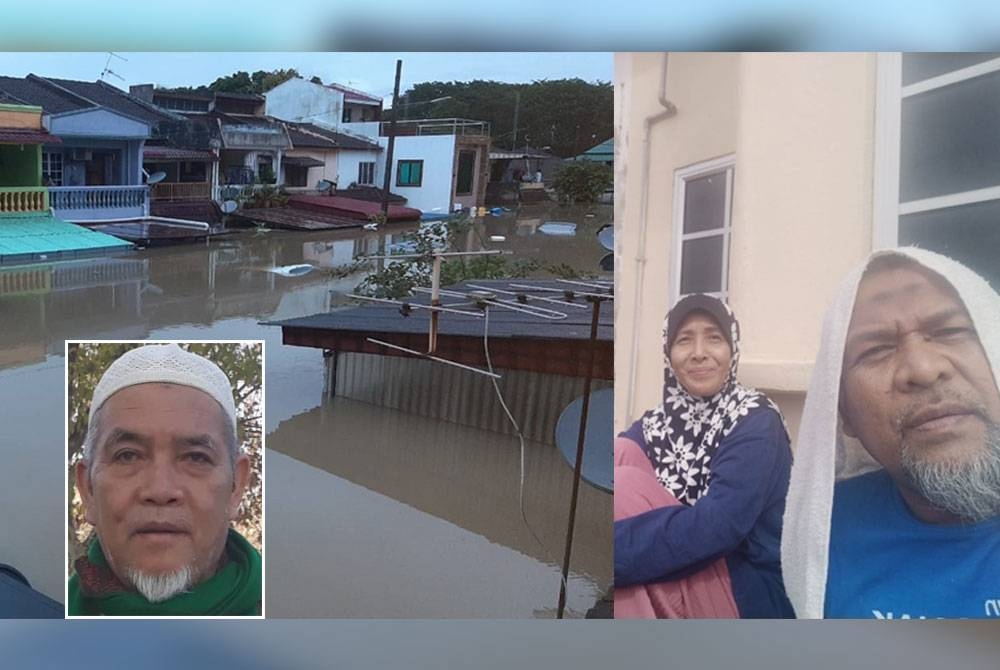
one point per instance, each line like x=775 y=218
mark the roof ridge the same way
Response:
x=45 y=81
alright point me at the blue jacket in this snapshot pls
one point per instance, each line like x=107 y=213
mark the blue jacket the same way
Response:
x=738 y=519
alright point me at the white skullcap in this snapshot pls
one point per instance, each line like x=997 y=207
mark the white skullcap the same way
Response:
x=165 y=363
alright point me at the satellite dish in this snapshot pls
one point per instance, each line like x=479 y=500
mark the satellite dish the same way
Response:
x=156 y=178
x=607 y=263
x=606 y=236
x=324 y=185
x=229 y=206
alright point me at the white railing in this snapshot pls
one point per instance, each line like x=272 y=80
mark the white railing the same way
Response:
x=100 y=202
x=436 y=127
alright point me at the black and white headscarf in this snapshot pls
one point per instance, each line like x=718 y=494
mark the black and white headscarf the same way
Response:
x=683 y=434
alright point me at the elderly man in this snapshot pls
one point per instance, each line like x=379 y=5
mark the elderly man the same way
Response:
x=909 y=363
x=161 y=478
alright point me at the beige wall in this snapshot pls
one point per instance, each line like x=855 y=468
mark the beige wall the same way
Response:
x=801 y=127
x=31 y=120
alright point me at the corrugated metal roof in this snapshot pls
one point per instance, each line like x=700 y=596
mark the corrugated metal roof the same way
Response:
x=174 y=154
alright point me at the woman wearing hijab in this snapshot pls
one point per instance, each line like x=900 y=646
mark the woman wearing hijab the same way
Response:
x=700 y=484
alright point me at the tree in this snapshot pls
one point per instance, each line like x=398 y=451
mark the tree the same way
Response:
x=259 y=82
x=582 y=181
x=564 y=115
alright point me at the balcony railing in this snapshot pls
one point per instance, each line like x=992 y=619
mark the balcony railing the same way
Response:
x=16 y=199
x=87 y=203
x=437 y=127
x=168 y=190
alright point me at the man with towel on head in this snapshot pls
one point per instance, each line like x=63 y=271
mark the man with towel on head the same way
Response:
x=903 y=413
x=161 y=478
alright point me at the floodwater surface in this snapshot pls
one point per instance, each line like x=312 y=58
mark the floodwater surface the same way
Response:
x=369 y=511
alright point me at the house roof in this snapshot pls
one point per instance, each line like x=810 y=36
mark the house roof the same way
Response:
x=302 y=161
x=354 y=95
x=604 y=151
x=311 y=135
x=162 y=153
x=21 y=136
x=32 y=90
x=115 y=99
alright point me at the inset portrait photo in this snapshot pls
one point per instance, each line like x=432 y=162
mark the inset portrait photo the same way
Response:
x=165 y=479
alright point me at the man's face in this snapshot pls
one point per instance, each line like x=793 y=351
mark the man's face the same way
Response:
x=916 y=385
x=161 y=490
x=700 y=355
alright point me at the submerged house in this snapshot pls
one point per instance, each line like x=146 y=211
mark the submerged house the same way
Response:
x=319 y=153
x=28 y=228
x=438 y=164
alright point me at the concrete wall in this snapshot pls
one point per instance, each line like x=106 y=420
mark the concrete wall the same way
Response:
x=20 y=116
x=801 y=128
x=438 y=154
x=349 y=160
x=302 y=101
x=98 y=123
x=20 y=165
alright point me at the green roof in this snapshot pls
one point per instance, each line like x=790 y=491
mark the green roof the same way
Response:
x=35 y=235
x=605 y=151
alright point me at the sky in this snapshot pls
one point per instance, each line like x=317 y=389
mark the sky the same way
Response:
x=371 y=72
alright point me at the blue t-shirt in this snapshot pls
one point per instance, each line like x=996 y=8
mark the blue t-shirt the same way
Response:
x=887 y=564
x=739 y=519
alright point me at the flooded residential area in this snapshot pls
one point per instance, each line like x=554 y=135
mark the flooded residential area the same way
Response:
x=370 y=511
x=429 y=266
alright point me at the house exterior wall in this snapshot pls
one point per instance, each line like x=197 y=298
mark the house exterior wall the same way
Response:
x=20 y=116
x=299 y=100
x=20 y=165
x=328 y=170
x=98 y=123
x=438 y=154
x=351 y=158
x=801 y=130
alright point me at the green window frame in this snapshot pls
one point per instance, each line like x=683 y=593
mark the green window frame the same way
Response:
x=409 y=173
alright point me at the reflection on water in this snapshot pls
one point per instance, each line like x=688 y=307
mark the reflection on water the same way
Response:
x=218 y=291
x=459 y=486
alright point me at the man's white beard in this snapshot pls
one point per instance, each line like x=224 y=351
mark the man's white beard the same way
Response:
x=157 y=588
x=969 y=489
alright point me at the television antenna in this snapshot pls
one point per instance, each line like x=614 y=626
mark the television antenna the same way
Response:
x=107 y=66
x=477 y=302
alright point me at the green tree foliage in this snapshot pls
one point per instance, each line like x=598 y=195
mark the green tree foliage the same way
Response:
x=582 y=181
x=568 y=115
x=242 y=364
x=260 y=81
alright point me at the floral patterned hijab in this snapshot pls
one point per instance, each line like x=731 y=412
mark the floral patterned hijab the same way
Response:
x=683 y=434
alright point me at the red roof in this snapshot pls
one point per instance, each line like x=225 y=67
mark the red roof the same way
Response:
x=19 y=136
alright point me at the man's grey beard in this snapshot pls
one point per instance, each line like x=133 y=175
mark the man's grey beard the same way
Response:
x=968 y=488
x=157 y=588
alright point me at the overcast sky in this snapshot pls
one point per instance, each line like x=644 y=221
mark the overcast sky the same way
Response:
x=370 y=72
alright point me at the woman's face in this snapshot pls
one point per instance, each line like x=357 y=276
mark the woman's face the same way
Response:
x=700 y=355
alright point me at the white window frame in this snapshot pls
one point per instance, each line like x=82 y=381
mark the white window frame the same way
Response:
x=889 y=95
x=361 y=166
x=725 y=164
x=47 y=160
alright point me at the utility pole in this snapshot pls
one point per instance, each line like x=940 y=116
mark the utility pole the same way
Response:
x=517 y=108
x=392 y=142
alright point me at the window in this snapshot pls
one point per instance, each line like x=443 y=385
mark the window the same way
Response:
x=296 y=175
x=346 y=118
x=52 y=168
x=703 y=197
x=937 y=160
x=366 y=173
x=466 y=172
x=192 y=171
x=409 y=173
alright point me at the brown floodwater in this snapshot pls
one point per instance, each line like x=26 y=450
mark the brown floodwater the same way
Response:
x=369 y=511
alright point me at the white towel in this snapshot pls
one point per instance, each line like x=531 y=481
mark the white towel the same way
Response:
x=824 y=454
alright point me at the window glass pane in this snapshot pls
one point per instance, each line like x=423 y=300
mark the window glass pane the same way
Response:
x=970 y=234
x=950 y=139
x=701 y=265
x=705 y=202
x=404 y=172
x=416 y=173
x=917 y=67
